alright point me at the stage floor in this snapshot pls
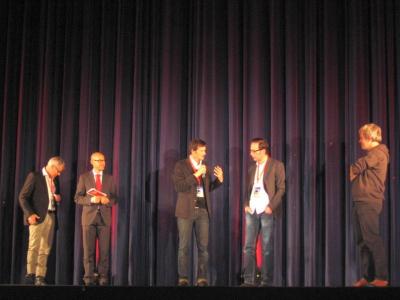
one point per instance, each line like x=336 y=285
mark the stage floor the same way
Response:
x=205 y=293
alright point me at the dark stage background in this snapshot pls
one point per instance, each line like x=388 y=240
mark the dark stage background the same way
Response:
x=138 y=79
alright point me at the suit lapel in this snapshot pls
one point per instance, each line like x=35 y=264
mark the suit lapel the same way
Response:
x=92 y=183
x=105 y=182
x=188 y=165
x=43 y=184
x=267 y=169
x=252 y=174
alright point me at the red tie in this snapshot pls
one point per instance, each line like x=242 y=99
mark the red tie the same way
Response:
x=98 y=182
x=52 y=186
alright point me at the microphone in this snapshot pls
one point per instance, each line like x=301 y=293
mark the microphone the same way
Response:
x=204 y=174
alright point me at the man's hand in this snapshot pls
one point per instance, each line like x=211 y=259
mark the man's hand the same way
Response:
x=202 y=170
x=57 y=197
x=104 y=200
x=219 y=173
x=268 y=210
x=95 y=199
x=247 y=209
x=32 y=220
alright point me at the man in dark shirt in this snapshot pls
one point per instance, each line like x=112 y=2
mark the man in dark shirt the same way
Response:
x=368 y=176
x=192 y=182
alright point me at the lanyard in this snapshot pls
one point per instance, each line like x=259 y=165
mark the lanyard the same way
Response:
x=260 y=174
x=197 y=178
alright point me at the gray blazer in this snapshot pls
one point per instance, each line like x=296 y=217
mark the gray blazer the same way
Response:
x=274 y=183
x=86 y=182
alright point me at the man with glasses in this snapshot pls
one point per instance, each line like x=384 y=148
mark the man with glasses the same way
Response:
x=192 y=182
x=265 y=188
x=38 y=199
x=96 y=192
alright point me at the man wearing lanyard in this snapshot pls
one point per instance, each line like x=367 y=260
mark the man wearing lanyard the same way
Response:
x=38 y=198
x=96 y=191
x=192 y=182
x=265 y=188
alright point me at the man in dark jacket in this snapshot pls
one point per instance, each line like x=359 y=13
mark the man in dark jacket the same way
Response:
x=192 y=182
x=38 y=198
x=265 y=188
x=97 y=193
x=368 y=176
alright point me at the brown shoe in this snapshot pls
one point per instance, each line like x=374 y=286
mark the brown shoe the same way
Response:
x=380 y=283
x=202 y=282
x=183 y=282
x=361 y=283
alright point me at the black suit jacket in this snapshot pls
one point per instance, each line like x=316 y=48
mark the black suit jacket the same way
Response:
x=34 y=198
x=85 y=183
x=274 y=183
x=186 y=186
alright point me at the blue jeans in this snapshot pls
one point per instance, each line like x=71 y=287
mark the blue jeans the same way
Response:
x=255 y=223
x=185 y=228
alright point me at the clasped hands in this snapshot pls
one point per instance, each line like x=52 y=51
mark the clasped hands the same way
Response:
x=99 y=200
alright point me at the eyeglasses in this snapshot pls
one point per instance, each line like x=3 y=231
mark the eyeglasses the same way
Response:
x=255 y=151
x=99 y=160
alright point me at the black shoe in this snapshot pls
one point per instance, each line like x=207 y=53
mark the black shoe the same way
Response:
x=29 y=279
x=245 y=284
x=40 y=281
x=266 y=283
x=183 y=282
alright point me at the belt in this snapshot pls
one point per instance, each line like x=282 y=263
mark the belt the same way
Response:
x=200 y=203
x=51 y=211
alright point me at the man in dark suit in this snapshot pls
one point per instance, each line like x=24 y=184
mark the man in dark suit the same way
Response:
x=192 y=182
x=265 y=188
x=96 y=218
x=38 y=198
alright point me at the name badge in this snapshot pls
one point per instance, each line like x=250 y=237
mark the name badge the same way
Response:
x=256 y=192
x=200 y=192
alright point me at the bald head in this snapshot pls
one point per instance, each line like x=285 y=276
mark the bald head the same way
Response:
x=98 y=161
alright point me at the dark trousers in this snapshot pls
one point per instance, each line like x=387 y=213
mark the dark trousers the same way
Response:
x=98 y=229
x=185 y=228
x=256 y=224
x=366 y=227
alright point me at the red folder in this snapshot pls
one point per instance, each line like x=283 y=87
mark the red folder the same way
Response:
x=94 y=192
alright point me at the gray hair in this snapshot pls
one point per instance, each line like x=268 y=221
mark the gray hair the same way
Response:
x=371 y=131
x=55 y=161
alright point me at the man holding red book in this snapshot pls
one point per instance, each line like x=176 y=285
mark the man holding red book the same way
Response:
x=96 y=192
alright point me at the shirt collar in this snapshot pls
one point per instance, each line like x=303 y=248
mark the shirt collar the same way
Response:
x=44 y=172
x=262 y=165
x=194 y=163
x=99 y=173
